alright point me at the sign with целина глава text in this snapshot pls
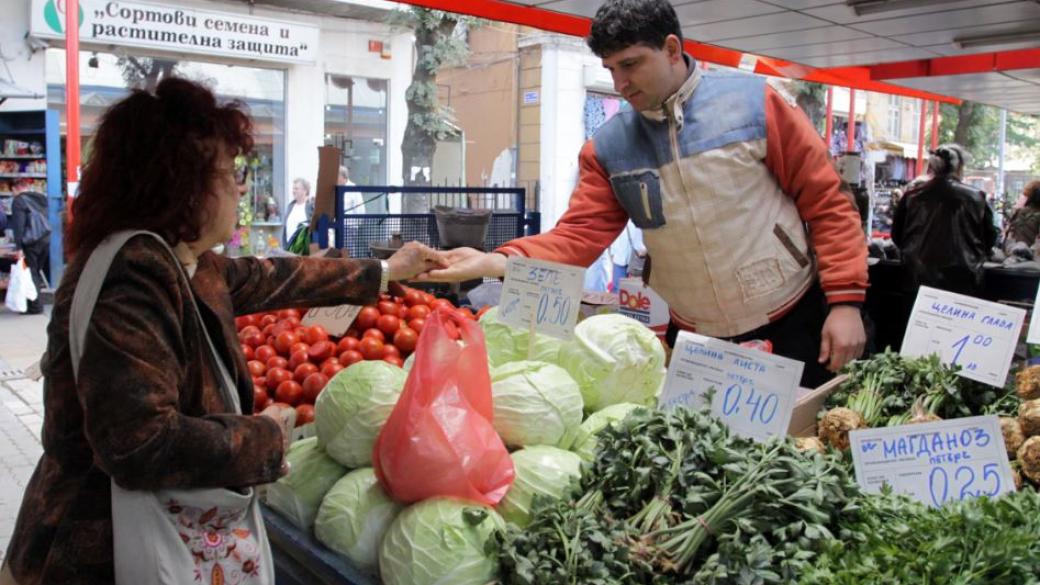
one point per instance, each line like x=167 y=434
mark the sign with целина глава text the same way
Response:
x=934 y=463
x=979 y=336
x=754 y=391
x=543 y=296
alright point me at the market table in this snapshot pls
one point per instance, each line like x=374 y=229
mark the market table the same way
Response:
x=299 y=559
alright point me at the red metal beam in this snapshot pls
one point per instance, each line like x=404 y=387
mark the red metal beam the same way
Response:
x=72 y=136
x=956 y=65
x=935 y=125
x=850 y=130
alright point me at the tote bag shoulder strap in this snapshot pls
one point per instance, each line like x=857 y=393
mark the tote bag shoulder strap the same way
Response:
x=89 y=287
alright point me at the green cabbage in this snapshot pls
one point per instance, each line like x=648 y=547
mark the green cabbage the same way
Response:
x=440 y=541
x=536 y=403
x=506 y=343
x=354 y=516
x=312 y=473
x=614 y=359
x=585 y=442
x=540 y=471
x=353 y=407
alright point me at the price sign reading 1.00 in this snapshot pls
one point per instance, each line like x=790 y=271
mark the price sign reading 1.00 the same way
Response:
x=543 y=295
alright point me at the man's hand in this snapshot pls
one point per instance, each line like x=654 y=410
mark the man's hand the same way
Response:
x=843 y=337
x=467 y=264
x=412 y=259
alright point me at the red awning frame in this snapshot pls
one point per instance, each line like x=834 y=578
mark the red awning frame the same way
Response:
x=943 y=66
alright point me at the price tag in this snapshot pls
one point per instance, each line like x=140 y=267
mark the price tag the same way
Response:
x=977 y=335
x=934 y=463
x=545 y=296
x=335 y=320
x=1033 y=335
x=755 y=392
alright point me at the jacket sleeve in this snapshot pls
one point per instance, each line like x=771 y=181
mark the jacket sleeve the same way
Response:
x=594 y=218
x=799 y=159
x=267 y=284
x=19 y=220
x=899 y=220
x=133 y=364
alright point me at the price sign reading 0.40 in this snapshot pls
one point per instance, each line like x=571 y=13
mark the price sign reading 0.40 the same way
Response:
x=543 y=295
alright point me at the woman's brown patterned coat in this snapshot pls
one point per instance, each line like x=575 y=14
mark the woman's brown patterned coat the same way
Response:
x=146 y=409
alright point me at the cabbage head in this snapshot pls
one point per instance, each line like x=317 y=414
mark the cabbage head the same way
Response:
x=585 y=442
x=354 y=516
x=540 y=471
x=536 y=403
x=614 y=359
x=312 y=473
x=440 y=541
x=506 y=343
x=353 y=407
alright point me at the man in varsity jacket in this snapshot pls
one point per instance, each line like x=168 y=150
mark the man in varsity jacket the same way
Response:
x=748 y=233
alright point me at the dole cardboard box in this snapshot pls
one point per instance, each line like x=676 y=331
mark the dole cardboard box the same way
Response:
x=597 y=303
x=640 y=302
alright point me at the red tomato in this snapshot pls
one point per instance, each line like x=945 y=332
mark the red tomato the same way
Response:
x=346 y=344
x=483 y=310
x=270 y=330
x=303 y=370
x=289 y=392
x=298 y=358
x=268 y=320
x=286 y=313
x=374 y=333
x=247 y=350
x=313 y=384
x=388 y=324
x=395 y=360
x=270 y=341
x=259 y=399
x=331 y=368
x=354 y=332
x=304 y=414
x=390 y=350
x=292 y=321
x=366 y=318
x=321 y=351
x=284 y=341
x=413 y=297
x=418 y=312
x=248 y=330
x=466 y=313
x=406 y=339
x=298 y=346
x=350 y=357
x=277 y=362
x=265 y=353
x=417 y=325
x=300 y=332
x=277 y=376
x=253 y=339
x=244 y=321
x=256 y=368
x=389 y=308
x=371 y=348
x=316 y=333
x=428 y=298
x=438 y=303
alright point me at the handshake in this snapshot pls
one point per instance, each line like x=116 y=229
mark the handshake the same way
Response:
x=414 y=261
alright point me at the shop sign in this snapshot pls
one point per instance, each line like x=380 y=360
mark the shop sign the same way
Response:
x=543 y=296
x=753 y=392
x=979 y=336
x=180 y=29
x=530 y=97
x=934 y=463
x=336 y=320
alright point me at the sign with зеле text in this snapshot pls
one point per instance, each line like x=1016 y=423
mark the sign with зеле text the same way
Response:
x=934 y=463
x=979 y=336
x=540 y=295
x=754 y=391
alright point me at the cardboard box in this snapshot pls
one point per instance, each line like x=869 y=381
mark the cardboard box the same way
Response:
x=640 y=302
x=808 y=405
x=597 y=303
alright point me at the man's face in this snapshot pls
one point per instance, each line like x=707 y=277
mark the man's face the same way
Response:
x=645 y=76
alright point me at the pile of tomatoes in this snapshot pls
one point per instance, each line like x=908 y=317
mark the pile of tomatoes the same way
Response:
x=291 y=363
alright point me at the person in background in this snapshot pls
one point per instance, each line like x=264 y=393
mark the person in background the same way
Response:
x=145 y=409
x=32 y=239
x=299 y=210
x=1024 y=225
x=353 y=202
x=944 y=228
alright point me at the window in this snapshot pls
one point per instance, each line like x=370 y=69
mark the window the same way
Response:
x=356 y=123
x=917 y=118
x=895 y=117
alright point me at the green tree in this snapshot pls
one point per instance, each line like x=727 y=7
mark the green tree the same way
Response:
x=977 y=127
x=812 y=98
x=145 y=72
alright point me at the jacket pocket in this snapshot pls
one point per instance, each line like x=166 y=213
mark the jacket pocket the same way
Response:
x=785 y=240
x=640 y=195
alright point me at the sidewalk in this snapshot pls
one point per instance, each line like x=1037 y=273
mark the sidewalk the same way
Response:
x=23 y=338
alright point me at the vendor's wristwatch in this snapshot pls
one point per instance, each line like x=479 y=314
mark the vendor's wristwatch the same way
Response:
x=384 y=276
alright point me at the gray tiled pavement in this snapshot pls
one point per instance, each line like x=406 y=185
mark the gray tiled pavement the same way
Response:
x=23 y=339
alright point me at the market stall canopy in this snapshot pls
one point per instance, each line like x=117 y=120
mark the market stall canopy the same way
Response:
x=9 y=90
x=840 y=42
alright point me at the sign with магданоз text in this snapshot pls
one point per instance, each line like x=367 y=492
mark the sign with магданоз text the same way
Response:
x=336 y=320
x=979 y=336
x=754 y=392
x=934 y=463
x=545 y=294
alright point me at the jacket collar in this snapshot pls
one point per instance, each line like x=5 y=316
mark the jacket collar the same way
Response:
x=672 y=109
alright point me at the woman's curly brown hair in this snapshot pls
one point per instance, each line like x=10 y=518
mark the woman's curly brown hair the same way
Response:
x=153 y=163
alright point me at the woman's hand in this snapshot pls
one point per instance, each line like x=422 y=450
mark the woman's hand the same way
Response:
x=413 y=259
x=466 y=264
x=285 y=416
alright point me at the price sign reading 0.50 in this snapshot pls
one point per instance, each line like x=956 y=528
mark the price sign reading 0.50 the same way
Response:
x=543 y=295
x=553 y=308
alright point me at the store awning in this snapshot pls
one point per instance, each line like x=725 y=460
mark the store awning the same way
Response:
x=8 y=90
x=839 y=42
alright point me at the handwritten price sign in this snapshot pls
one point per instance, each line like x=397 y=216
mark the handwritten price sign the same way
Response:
x=336 y=320
x=543 y=295
x=979 y=336
x=755 y=392
x=934 y=463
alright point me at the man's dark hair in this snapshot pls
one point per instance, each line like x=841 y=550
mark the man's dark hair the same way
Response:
x=620 y=24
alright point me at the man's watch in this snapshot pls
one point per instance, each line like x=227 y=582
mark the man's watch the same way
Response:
x=384 y=276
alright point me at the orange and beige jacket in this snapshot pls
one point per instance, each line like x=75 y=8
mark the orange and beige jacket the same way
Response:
x=738 y=201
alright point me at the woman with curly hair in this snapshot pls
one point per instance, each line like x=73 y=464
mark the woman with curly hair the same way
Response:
x=1024 y=225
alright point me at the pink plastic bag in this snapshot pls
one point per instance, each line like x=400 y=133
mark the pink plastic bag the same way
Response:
x=439 y=440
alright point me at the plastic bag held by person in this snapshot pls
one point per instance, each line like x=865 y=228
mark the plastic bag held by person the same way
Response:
x=20 y=289
x=439 y=440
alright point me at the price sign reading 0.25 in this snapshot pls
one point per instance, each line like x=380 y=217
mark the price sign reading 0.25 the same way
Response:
x=963 y=482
